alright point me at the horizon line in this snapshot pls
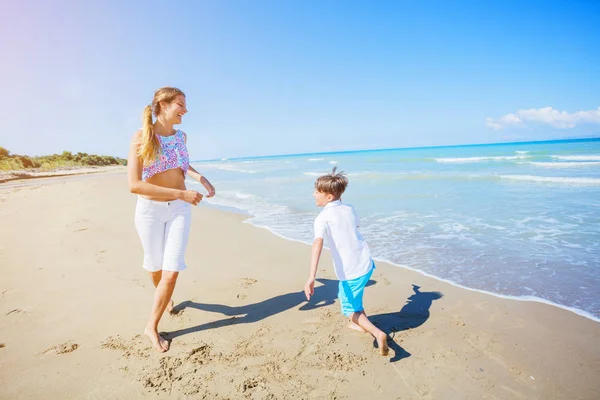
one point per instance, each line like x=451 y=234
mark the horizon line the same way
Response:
x=586 y=139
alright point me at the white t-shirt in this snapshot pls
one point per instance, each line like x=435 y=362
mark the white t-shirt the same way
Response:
x=338 y=224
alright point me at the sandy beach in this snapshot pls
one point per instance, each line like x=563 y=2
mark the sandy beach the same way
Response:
x=74 y=301
x=22 y=176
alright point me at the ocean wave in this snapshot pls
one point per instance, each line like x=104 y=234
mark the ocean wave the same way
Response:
x=553 y=179
x=462 y=160
x=247 y=202
x=241 y=195
x=563 y=164
x=262 y=217
x=316 y=159
x=228 y=167
x=588 y=157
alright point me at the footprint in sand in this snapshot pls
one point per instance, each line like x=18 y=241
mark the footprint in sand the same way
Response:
x=136 y=347
x=183 y=371
x=63 y=348
x=15 y=311
x=343 y=361
x=252 y=383
x=247 y=282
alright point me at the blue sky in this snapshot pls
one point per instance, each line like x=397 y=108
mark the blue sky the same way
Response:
x=271 y=77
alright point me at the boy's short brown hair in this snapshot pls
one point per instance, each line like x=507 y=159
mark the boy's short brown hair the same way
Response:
x=332 y=183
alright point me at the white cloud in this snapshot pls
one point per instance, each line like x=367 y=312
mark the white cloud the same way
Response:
x=545 y=116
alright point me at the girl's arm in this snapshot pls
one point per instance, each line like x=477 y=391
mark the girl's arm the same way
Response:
x=200 y=178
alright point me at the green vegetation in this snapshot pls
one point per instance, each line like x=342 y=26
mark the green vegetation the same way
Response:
x=66 y=159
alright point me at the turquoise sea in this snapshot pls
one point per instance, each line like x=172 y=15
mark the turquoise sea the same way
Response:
x=519 y=219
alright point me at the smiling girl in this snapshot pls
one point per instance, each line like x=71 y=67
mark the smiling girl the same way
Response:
x=157 y=166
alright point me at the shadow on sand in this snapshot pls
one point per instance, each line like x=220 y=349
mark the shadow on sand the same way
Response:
x=414 y=313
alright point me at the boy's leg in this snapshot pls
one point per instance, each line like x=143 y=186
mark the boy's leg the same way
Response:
x=351 y=300
x=360 y=319
x=356 y=327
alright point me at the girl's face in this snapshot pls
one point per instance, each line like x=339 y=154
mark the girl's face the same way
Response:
x=174 y=111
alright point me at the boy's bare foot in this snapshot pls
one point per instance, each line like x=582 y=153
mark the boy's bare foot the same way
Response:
x=382 y=343
x=158 y=342
x=170 y=307
x=356 y=327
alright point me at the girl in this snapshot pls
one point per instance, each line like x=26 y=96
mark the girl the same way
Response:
x=157 y=166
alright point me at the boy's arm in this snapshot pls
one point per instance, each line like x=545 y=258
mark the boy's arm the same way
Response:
x=317 y=247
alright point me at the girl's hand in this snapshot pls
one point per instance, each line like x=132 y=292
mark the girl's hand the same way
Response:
x=210 y=188
x=191 y=196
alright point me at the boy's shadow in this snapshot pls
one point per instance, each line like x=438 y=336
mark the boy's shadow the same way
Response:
x=414 y=314
x=324 y=295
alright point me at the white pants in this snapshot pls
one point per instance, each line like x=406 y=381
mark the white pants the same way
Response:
x=163 y=227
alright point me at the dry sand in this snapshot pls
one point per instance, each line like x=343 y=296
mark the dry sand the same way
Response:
x=74 y=301
x=23 y=176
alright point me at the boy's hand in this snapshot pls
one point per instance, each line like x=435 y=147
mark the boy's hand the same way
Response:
x=309 y=288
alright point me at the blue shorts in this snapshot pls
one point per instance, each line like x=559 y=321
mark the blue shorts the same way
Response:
x=351 y=293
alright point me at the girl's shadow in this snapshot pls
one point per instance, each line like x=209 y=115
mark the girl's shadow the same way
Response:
x=324 y=295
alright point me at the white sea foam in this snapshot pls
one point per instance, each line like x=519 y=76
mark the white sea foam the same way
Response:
x=563 y=164
x=316 y=159
x=462 y=160
x=256 y=220
x=553 y=179
x=244 y=196
x=589 y=157
x=228 y=167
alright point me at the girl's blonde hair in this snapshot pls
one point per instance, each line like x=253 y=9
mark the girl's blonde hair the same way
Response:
x=149 y=145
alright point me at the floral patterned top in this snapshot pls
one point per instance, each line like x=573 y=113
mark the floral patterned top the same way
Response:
x=174 y=154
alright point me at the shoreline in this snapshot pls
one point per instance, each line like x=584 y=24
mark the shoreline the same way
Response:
x=582 y=313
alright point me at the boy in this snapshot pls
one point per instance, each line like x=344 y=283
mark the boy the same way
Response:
x=352 y=261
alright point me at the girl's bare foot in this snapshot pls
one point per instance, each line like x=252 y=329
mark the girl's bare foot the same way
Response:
x=356 y=327
x=382 y=343
x=170 y=307
x=158 y=342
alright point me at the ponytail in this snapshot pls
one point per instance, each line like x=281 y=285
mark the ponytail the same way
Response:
x=148 y=149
